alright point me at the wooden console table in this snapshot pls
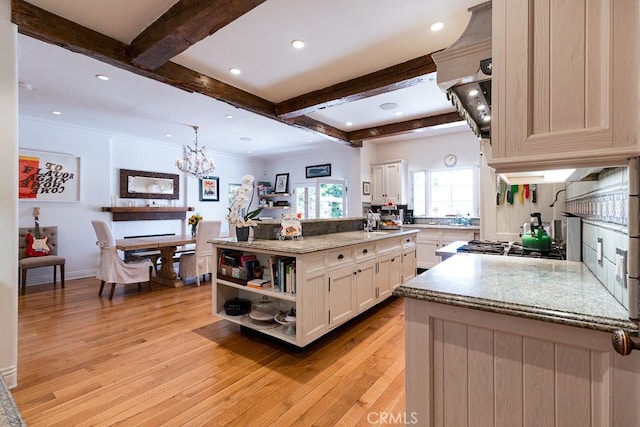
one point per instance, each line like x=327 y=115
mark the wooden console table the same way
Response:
x=147 y=213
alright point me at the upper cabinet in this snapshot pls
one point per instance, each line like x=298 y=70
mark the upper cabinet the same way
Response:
x=388 y=182
x=565 y=83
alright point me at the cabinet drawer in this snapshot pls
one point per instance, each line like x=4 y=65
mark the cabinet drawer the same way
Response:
x=364 y=252
x=408 y=241
x=388 y=245
x=340 y=257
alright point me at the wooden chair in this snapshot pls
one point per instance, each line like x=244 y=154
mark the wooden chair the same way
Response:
x=202 y=261
x=25 y=263
x=112 y=268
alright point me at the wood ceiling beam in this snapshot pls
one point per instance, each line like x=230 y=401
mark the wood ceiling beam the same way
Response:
x=402 y=127
x=396 y=77
x=184 y=24
x=47 y=27
x=322 y=129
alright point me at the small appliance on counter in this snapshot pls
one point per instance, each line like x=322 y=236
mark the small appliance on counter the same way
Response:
x=537 y=237
x=390 y=218
x=408 y=217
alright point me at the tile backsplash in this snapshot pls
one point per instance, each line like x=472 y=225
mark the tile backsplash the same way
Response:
x=603 y=206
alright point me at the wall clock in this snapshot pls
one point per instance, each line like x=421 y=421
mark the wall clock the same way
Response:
x=450 y=160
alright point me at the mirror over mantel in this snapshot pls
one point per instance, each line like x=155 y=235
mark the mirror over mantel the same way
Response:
x=136 y=184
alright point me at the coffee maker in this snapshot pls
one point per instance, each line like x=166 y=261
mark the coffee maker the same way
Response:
x=408 y=216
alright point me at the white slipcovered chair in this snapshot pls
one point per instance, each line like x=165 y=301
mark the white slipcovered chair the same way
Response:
x=112 y=268
x=202 y=261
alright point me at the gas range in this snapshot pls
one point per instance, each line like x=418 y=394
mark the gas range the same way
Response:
x=509 y=249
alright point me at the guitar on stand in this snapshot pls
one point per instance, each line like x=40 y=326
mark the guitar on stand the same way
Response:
x=36 y=243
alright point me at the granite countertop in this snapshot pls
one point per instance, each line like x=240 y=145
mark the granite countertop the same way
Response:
x=563 y=292
x=446 y=227
x=312 y=243
x=9 y=413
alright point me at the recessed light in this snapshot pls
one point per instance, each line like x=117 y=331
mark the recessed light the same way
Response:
x=418 y=130
x=473 y=92
x=348 y=123
x=235 y=71
x=248 y=151
x=57 y=113
x=298 y=44
x=229 y=116
x=309 y=140
x=102 y=77
x=388 y=106
x=168 y=135
x=398 y=113
x=436 y=26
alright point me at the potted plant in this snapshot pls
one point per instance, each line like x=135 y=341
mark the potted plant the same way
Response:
x=240 y=216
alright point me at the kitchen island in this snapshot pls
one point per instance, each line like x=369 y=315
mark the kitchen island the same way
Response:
x=494 y=340
x=325 y=279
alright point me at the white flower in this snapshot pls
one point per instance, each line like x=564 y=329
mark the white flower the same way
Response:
x=241 y=203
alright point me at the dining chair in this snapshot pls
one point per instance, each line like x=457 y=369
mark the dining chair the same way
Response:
x=112 y=268
x=26 y=262
x=202 y=261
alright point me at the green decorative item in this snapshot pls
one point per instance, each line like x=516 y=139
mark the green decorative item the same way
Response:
x=537 y=238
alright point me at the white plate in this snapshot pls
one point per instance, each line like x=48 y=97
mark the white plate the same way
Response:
x=263 y=317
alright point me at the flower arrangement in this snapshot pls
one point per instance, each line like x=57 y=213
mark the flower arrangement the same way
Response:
x=239 y=213
x=193 y=222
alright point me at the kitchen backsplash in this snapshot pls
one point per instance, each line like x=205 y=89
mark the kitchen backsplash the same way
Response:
x=603 y=206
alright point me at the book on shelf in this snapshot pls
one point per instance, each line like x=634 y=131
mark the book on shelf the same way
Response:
x=283 y=273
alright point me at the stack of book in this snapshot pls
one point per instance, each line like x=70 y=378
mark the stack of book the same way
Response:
x=283 y=273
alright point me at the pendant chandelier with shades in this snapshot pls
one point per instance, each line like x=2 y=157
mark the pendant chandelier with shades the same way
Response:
x=194 y=161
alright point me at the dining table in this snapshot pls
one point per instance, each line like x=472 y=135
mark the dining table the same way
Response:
x=167 y=245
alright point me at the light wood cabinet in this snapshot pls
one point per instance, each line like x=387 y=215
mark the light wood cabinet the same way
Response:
x=430 y=240
x=470 y=367
x=565 y=83
x=388 y=183
x=332 y=286
x=342 y=295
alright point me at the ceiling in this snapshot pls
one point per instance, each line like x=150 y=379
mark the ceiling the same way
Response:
x=358 y=55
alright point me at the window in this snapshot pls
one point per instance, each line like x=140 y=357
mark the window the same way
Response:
x=321 y=199
x=445 y=192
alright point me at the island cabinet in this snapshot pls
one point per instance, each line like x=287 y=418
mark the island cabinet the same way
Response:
x=467 y=367
x=565 y=84
x=332 y=285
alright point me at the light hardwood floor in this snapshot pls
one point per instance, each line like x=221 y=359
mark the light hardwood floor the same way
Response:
x=161 y=358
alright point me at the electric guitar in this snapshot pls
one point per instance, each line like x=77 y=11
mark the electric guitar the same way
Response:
x=36 y=245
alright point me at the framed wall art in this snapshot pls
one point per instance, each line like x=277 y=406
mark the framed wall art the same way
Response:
x=366 y=188
x=210 y=189
x=318 y=171
x=48 y=177
x=282 y=183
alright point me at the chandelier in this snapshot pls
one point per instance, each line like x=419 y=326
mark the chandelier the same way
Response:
x=194 y=161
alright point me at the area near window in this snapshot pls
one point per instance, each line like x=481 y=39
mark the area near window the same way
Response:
x=321 y=199
x=442 y=192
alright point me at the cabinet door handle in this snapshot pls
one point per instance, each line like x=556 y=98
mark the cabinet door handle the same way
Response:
x=340 y=256
x=365 y=251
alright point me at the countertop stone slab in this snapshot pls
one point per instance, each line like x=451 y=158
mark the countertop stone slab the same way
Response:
x=444 y=227
x=312 y=243
x=9 y=413
x=563 y=292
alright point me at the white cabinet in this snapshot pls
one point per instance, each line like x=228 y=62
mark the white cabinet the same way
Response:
x=409 y=259
x=470 y=367
x=431 y=239
x=388 y=182
x=332 y=286
x=342 y=295
x=565 y=83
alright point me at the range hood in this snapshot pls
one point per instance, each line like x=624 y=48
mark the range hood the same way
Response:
x=464 y=71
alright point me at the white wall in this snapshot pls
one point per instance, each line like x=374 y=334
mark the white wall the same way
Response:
x=101 y=157
x=345 y=164
x=8 y=196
